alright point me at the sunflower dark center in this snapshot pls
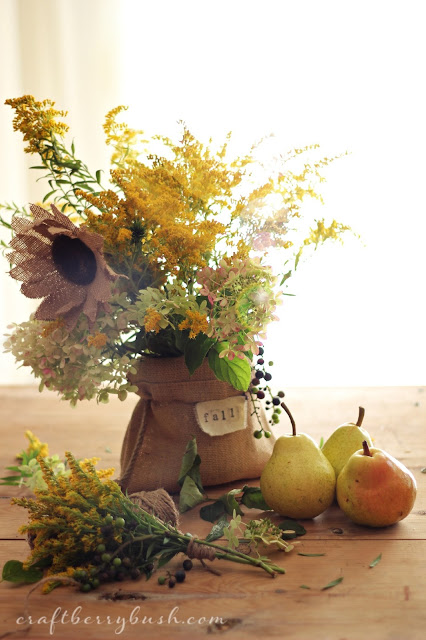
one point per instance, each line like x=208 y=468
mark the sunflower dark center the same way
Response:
x=74 y=260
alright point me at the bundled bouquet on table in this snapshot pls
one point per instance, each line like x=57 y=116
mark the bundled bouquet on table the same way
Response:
x=154 y=281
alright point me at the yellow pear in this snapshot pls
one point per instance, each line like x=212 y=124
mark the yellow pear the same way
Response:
x=298 y=481
x=375 y=489
x=343 y=442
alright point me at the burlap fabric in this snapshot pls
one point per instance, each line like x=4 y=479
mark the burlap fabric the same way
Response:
x=164 y=420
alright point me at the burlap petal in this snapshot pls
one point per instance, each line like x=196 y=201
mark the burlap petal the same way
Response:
x=93 y=240
x=55 y=218
x=31 y=269
x=31 y=242
x=63 y=219
x=57 y=304
x=44 y=286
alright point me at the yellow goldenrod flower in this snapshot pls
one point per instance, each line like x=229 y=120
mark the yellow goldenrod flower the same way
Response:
x=124 y=235
x=36 y=447
x=51 y=326
x=196 y=322
x=152 y=320
x=36 y=121
x=99 y=340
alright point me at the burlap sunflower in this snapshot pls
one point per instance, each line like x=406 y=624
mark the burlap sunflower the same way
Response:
x=61 y=263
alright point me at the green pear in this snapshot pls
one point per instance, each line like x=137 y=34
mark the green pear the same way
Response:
x=298 y=481
x=375 y=489
x=343 y=442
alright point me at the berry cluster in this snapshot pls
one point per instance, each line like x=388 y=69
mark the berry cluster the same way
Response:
x=110 y=564
x=259 y=388
x=178 y=576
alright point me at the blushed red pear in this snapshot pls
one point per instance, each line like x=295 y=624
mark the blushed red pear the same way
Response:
x=375 y=489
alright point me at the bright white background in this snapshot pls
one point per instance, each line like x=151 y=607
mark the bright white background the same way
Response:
x=349 y=75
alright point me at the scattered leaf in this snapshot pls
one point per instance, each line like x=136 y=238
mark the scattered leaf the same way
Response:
x=225 y=504
x=190 y=495
x=252 y=498
x=333 y=583
x=375 y=561
x=108 y=450
x=311 y=555
x=423 y=470
x=304 y=586
x=217 y=529
x=211 y=512
x=291 y=529
x=192 y=492
x=13 y=571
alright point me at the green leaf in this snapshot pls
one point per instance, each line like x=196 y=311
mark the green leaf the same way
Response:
x=321 y=443
x=190 y=466
x=10 y=481
x=47 y=196
x=252 y=498
x=333 y=583
x=304 y=586
x=236 y=372
x=375 y=561
x=98 y=176
x=311 y=555
x=212 y=512
x=13 y=571
x=423 y=470
x=225 y=504
x=181 y=338
x=192 y=492
x=196 y=350
x=285 y=277
x=292 y=526
x=190 y=495
x=217 y=529
x=164 y=557
x=230 y=503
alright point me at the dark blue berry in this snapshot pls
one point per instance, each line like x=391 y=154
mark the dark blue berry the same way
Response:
x=187 y=564
x=276 y=401
x=259 y=374
x=268 y=377
x=180 y=575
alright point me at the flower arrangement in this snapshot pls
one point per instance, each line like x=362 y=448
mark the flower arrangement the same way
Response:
x=166 y=258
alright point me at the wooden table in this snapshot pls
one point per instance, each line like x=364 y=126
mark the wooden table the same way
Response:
x=384 y=602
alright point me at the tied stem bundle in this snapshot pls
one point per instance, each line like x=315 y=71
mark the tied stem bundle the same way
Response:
x=88 y=530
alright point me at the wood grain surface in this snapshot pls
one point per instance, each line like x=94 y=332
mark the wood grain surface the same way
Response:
x=387 y=602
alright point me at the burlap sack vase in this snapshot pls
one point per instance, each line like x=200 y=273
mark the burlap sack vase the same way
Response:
x=169 y=413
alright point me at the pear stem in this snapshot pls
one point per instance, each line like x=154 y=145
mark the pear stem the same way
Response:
x=361 y=415
x=366 y=449
x=287 y=410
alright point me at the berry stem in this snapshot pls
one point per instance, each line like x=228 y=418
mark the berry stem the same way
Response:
x=361 y=415
x=366 y=449
x=287 y=410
